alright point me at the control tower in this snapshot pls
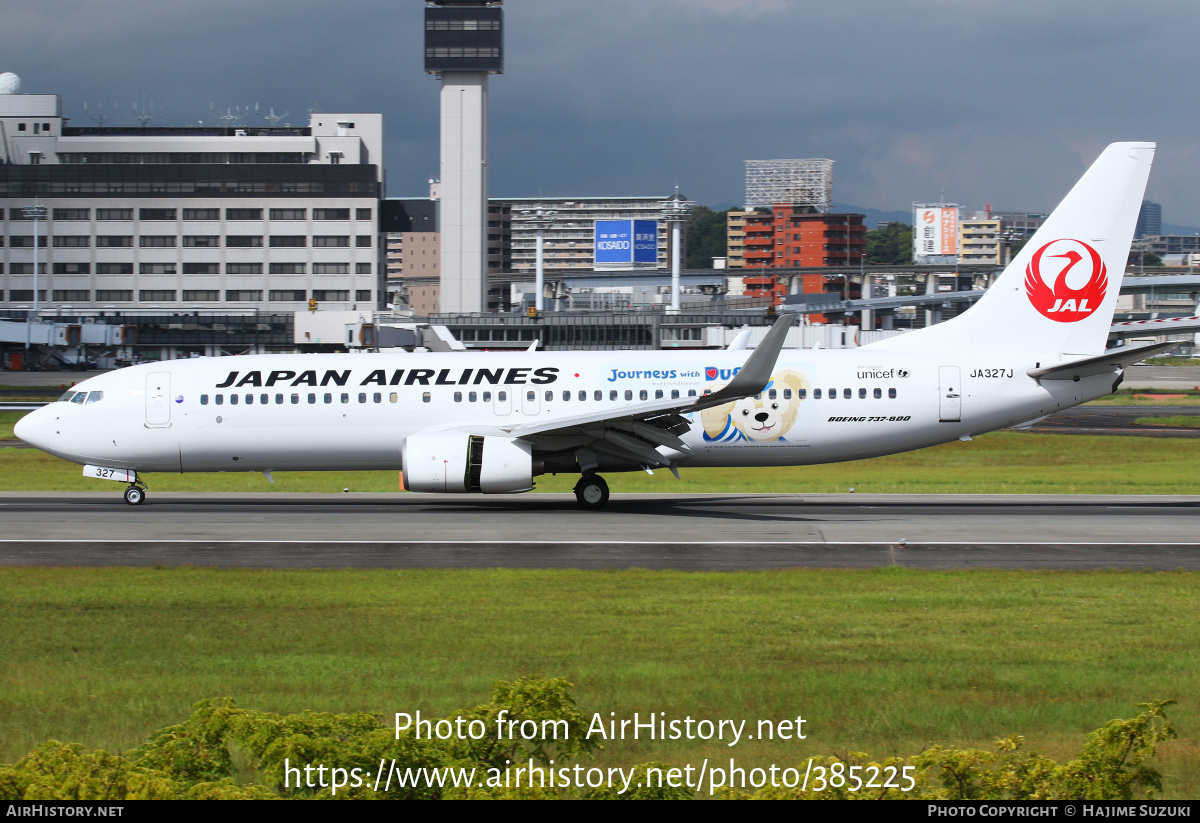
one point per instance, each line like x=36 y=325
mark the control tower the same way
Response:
x=464 y=43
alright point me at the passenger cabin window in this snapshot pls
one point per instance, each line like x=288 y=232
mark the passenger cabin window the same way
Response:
x=878 y=394
x=249 y=400
x=674 y=394
x=378 y=397
x=426 y=397
x=892 y=394
x=549 y=395
x=816 y=394
x=473 y=396
x=393 y=397
x=787 y=394
x=487 y=397
x=582 y=395
x=612 y=395
x=328 y=398
x=643 y=394
x=846 y=394
x=233 y=399
x=220 y=398
x=204 y=400
x=312 y=398
x=772 y=394
x=862 y=394
x=566 y=394
x=629 y=394
x=458 y=397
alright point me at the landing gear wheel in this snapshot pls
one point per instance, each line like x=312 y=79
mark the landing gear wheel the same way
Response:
x=591 y=492
x=135 y=495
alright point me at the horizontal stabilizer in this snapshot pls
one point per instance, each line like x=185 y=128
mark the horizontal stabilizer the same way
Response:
x=1111 y=360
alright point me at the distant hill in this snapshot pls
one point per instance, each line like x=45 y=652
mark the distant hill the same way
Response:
x=1171 y=228
x=875 y=216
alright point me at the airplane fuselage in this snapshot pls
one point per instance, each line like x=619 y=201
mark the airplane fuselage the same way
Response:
x=316 y=412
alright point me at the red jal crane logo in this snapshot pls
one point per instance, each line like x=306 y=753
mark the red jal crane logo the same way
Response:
x=1066 y=280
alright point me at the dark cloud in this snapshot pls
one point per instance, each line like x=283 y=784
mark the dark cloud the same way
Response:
x=987 y=102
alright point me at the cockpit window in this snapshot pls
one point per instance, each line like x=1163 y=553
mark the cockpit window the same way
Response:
x=80 y=397
x=95 y=397
x=66 y=398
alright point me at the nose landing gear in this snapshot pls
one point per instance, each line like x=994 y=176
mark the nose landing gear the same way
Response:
x=135 y=494
x=591 y=492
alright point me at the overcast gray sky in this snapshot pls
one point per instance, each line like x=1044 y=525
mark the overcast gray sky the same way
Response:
x=1001 y=102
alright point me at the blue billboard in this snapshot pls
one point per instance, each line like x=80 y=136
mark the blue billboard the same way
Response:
x=626 y=244
x=645 y=242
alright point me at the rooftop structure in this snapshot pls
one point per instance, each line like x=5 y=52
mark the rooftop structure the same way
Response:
x=792 y=182
x=145 y=218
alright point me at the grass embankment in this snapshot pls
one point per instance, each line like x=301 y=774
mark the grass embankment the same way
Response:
x=7 y=421
x=999 y=463
x=44 y=394
x=1148 y=397
x=1170 y=421
x=885 y=661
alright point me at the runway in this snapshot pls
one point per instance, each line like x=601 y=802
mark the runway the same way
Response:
x=696 y=532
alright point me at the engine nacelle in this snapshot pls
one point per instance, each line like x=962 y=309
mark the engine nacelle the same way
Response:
x=458 y=462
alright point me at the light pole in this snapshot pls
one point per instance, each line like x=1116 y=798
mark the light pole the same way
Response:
x=541 y=219
x=34 y=213
x=675 y=211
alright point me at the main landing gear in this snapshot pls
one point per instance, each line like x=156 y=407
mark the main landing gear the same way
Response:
x=135 y=494
x=591 y=492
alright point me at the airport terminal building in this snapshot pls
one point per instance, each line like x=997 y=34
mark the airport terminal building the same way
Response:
x=227 y=218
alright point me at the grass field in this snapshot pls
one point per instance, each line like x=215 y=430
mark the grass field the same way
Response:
x=884 y=661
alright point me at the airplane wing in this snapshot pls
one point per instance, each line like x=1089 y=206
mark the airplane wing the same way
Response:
x=1111 y=360
x=634 y=432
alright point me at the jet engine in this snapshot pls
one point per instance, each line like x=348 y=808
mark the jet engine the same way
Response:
x=459 y=462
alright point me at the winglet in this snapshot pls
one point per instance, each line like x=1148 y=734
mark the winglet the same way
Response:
x=755 y=374
x=741 y=341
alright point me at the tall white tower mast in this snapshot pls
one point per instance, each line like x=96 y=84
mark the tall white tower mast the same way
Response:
x=464 y=43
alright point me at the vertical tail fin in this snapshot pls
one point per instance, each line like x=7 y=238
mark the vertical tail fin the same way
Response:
x=1058 y=295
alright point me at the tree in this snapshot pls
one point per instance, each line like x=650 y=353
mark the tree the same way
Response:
x=706 y=237
x=890 y=245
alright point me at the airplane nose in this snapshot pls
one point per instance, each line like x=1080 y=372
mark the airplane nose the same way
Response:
x=32 y=428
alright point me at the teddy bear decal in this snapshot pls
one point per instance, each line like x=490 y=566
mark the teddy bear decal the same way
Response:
x=767 y=416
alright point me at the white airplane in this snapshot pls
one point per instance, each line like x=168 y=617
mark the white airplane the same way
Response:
x=492 y=422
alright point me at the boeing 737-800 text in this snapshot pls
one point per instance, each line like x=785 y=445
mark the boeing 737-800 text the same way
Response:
x=492 y=422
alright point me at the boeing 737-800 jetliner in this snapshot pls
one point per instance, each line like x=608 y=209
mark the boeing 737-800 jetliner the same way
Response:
x=492 y=422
